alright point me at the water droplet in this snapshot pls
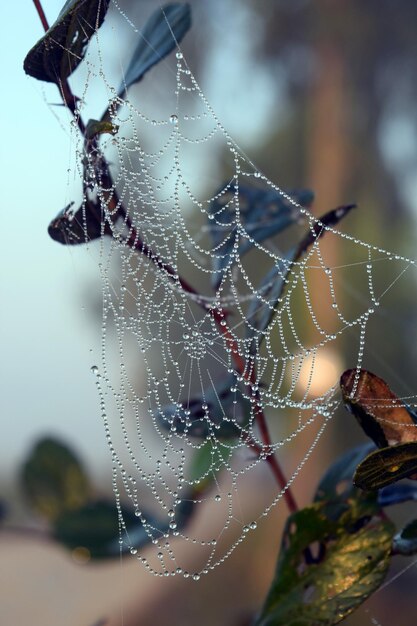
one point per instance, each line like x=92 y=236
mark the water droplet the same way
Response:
x=94 y=369
x=217 y=498
x=171 y=513
x=179 y=55
x=173 y=119
x=196 y=576
x=133 y=551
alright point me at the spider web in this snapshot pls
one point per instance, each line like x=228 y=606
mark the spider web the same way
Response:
x=187 y=372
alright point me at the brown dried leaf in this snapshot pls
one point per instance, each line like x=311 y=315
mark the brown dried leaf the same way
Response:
x=381 y=414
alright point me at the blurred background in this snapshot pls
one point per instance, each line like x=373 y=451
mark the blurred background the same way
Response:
x=318 y=94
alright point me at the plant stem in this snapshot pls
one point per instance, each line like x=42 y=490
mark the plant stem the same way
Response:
x=273 y=462
x=41 y=14
x=219 y=315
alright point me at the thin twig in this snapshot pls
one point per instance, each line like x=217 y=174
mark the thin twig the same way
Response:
x=41 y=14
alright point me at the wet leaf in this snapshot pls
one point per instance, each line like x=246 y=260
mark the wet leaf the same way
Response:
x=405 y=542
x=380 y=413
x=222 y=418
x=95 y=527
x=84 y=225
x=263 y=214
x=327 y=567
x=386 y=466
x=54 y=57
x=165 y=28
x=54 y=480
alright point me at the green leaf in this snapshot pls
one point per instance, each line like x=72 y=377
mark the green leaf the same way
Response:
x=165 y=28
x=95 y=527
x=353 y=554
x=54 y=480
x=386 y=466
x=381 y=414
x=54 y=57
x=405 y=542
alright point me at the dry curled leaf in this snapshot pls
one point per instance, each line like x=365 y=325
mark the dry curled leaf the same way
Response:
x=381 y=414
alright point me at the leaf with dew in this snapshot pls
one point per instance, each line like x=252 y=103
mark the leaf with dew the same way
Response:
x=59 y=52
x=81 y=226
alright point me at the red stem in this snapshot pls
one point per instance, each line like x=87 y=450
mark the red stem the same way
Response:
x=273 y=463
x=41 y=14
x=219 y=316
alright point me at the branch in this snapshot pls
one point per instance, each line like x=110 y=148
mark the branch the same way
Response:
x=41 y=14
